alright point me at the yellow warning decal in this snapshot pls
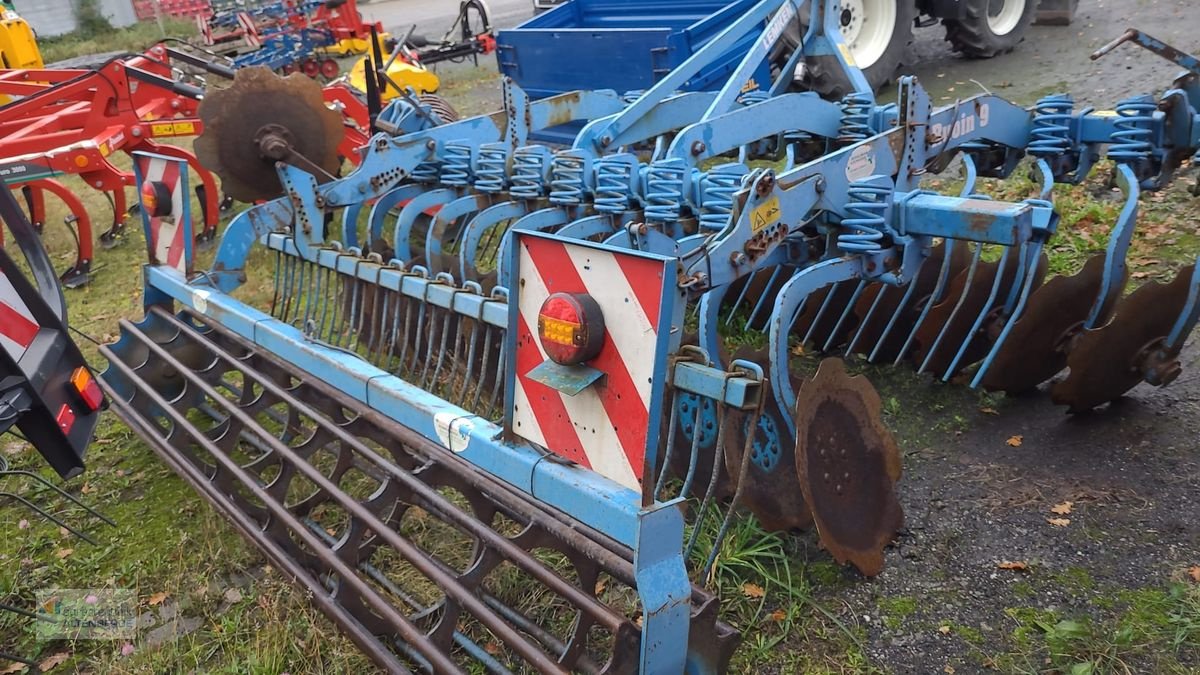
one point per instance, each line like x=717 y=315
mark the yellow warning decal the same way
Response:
x=173 y=129
x=765 y=214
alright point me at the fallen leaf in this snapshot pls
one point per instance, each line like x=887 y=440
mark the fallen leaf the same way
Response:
x=492 y=648
x=778 y=615
x=948 y=670
x=87 y=488
x=54 y=661
x=1059 y=522
x=64 y=552
x=1063 y=508
x=600 y=586
x=127 y=649
x=156 y=599
x=14 y=668
x=1194 y=573
x=1015 y=442
x=22 y=524
x=233 y=596
x=753 y=590
x=989 y=411
x=944 y=630
x=1015 y=565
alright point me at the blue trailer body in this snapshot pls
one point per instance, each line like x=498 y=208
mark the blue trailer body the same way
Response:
x=623 y=45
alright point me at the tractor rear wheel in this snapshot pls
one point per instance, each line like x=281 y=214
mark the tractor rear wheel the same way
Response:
x=990 y=27
x=878 y=34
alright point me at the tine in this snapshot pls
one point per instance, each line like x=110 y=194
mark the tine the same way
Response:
x=816 y=321
x=1025 y=289
x=968 y=282
x=714 y=479
x=63 y=493
x=946 y=272
x=972 y=334
x=47 y=515
x=837 y=328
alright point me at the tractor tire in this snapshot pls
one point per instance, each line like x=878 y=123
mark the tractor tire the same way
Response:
x=879 y=50
x=990 y=27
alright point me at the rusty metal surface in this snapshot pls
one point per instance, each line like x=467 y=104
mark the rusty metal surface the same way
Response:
x=959 y=311
x=848 y=463
x=768 y=488
x=408 y=548
x=234 y=117
x=1036 y=349
x=1105 y=363
x=873 y=322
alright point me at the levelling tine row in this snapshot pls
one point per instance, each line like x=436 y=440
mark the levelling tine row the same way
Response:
x=426 y=562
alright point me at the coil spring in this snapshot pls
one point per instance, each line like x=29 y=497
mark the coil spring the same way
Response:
x=456 y=167
x=566 y=179
x=664 y=190
x=752 y=97
x=1050 y=126
x=1131 y=140
x=528 y=181
x=718 y=187
x=856 y=118
x=867 y=205
x=491 y=170
x=612 y=185
x=427 y=172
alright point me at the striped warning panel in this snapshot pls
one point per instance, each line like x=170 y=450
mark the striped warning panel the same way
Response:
x=17 y=325
x=607 y=426
x=168 y=230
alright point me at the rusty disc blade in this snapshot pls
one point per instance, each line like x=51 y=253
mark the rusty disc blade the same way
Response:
x=963 y=321
x=770 y=491
x=848 y=464
x=875 y=323
x=1103 y=362
x=1034 y=350
x=233 y=117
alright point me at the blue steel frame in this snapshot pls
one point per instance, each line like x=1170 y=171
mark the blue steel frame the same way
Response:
x=654 y=530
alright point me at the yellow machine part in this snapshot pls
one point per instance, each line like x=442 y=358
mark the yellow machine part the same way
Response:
x=353 y=46
x=404 y=74
x=18 y=46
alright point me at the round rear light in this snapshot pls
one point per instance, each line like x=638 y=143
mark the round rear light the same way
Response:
x=156 y=198
x=571 y=328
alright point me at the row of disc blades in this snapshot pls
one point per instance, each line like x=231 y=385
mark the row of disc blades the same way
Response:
x=1051 y=335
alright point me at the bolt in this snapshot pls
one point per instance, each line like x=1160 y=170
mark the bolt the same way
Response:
x=698 y=148
x=764 y=185
x=838 y=488
x=738 y=258
x=606 y=139
x=820 y=186
x=826 y=477
x=431 y=145
x=137 y=132
x=319 y=201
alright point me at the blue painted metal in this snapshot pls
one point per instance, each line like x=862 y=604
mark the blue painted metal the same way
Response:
x=633 y=177
x=620 y=44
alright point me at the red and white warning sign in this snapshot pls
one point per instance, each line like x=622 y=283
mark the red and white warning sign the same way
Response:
x=17 y=325
x=605 y=426
x=163 y=198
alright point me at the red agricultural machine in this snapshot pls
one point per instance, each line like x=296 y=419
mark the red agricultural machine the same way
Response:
x=71 y=122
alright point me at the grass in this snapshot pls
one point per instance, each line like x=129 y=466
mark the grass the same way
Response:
x=778 y=589
x=132 y=39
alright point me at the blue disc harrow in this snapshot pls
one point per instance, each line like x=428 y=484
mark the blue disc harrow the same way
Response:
x=481 y=358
